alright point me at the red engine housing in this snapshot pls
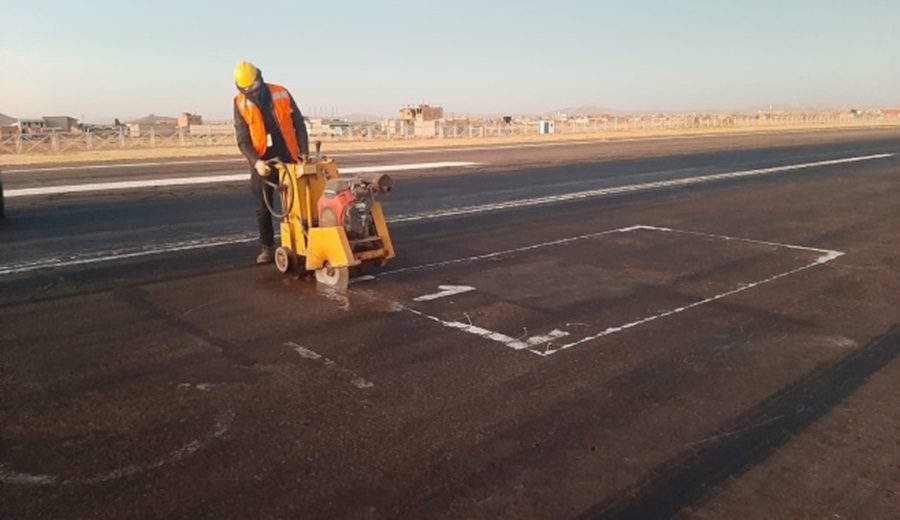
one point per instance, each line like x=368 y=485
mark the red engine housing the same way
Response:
x=335 y=207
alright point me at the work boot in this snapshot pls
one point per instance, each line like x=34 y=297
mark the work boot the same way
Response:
x=266 y=255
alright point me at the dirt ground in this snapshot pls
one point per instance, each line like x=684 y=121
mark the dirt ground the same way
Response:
x=7 y=160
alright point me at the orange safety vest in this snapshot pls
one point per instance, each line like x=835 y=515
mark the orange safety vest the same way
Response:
x=281 y=104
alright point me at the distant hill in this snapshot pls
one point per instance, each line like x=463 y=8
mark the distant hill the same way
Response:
x=6 y=120
x=153 y=119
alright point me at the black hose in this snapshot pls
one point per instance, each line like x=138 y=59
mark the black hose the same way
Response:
x=286 y=202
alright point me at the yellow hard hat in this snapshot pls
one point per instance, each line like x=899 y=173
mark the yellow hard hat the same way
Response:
x=245 y=74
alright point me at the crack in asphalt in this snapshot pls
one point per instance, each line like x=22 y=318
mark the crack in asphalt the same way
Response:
x=138 y=299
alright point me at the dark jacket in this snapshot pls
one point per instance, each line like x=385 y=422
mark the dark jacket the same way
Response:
x=263 y=99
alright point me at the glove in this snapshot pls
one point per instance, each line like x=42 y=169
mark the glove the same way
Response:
x=262 y=168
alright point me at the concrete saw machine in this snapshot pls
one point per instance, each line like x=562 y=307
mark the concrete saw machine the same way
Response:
x=330 y=225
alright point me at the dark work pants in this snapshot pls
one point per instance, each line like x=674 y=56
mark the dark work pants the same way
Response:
x=263 y=217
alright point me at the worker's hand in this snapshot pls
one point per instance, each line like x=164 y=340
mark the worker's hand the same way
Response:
x=262 y=168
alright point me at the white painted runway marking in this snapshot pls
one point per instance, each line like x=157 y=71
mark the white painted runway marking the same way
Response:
x=541 y=345
x=543 y=340
x=110 y=256
x=631 y=188
x=505 y=252
x=509 y=341
x=306 y=353
x=118 y=166
x=99 y=257
x=212 y=179
x=445 y=290
x=825 y=256
x=408 y=167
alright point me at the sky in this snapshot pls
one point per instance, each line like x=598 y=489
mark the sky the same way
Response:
x=98 y=59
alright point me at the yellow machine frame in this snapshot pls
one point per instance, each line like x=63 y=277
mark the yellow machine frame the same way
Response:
x=326 y=250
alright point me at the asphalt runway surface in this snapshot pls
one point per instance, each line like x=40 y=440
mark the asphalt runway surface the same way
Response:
x=702 y=328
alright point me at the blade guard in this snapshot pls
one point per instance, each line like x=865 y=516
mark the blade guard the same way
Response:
x=328 y=244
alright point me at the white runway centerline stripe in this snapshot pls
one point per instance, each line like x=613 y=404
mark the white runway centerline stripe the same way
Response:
x=214 y=179
x=630 y=188
x=120 y=166
x=96 y=257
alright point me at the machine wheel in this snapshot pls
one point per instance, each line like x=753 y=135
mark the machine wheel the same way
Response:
x=337 y=277
x=284 y=259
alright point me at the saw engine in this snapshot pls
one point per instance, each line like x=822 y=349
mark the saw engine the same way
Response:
x=347 y=203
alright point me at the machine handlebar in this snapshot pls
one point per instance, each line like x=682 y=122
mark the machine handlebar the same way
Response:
x=277 y=162
x=279 y=186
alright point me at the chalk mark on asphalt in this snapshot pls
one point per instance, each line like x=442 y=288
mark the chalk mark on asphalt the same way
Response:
x=110 y=256
x=354 y=378
x=220 y=426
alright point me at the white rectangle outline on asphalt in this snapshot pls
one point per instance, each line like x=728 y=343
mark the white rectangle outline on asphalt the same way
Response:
x=546 y=348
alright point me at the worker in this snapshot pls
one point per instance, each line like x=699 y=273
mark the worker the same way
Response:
x=268 y=125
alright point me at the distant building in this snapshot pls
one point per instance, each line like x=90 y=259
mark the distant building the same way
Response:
x=428 y=128
x=161 y=126
x=6 y=120
x=61 y=124
x=396 y=127
x=890 y=112
x=313 y=125
x=336 y=127
x=31 y=126
x=160 y=130
x=8 y=131
x=186 y=120
x=421 y=113
x=39 y=125
x=212 y=129
x=155 y=120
